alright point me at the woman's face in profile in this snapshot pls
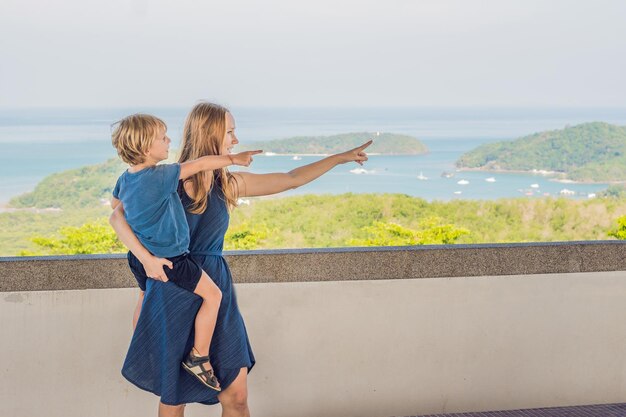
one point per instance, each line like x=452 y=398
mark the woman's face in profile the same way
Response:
x=230 y=139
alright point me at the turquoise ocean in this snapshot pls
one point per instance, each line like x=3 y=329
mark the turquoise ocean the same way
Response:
x=39 y=142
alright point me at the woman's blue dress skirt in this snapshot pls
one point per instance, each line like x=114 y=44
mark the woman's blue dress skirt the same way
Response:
x=165 y=330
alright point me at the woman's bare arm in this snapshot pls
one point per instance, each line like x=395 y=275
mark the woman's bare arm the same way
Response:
x=251 y=185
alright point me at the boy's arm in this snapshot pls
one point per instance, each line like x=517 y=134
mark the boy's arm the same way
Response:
x=211 y=162
x=152 y=264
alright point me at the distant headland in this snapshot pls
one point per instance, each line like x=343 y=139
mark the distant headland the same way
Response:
x=589 y=152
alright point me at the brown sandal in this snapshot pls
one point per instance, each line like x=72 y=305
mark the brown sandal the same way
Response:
x=195 y=366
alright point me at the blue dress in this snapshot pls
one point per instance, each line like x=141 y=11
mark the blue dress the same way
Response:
x=165 y=329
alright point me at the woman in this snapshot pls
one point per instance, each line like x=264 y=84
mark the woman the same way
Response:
x=164 y=329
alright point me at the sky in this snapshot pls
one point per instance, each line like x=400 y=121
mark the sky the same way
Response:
x=344 y=53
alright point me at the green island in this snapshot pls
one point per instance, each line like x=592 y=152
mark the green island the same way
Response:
x=384 y=143
x=590 y=152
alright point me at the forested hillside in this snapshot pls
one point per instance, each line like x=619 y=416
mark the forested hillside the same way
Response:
x=362 y=220
x=594 y=152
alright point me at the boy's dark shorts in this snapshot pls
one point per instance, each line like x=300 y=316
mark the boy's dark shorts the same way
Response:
x=186 y=273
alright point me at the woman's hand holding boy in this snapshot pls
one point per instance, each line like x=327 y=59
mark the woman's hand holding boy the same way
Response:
x=155 y=267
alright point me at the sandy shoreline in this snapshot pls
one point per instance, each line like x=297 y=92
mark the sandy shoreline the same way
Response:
x=4 y=208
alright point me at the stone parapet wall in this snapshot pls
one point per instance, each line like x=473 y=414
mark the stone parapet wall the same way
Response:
x=340 y=332
x=334 y=264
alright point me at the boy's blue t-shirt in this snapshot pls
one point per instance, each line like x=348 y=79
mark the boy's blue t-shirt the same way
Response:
x=153 y=209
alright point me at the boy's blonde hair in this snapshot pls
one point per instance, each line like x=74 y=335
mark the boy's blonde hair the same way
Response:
x=133 y=136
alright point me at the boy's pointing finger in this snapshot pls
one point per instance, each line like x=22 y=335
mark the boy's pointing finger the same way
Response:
x=366 y=144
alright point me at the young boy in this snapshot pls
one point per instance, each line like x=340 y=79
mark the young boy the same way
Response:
x=146 y=193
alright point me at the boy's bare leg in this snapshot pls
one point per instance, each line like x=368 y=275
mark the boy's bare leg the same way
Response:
x=137 y=309
x=207 y=315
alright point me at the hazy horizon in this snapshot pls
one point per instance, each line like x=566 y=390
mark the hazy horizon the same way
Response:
x=331 y=106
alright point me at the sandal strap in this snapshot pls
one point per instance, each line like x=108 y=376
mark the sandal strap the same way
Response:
x=196 y=363
x=200 y=359
x=195 y=360
x=208 y=374
x=204 y=370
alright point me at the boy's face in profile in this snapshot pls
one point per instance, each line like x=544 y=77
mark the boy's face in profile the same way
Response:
x=159 y=150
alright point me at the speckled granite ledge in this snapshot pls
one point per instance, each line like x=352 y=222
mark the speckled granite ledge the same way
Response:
x=340 y=264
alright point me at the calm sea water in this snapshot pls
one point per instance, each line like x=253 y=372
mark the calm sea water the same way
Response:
x=38 y=142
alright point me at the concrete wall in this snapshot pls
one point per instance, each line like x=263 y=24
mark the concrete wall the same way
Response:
x=365 y=347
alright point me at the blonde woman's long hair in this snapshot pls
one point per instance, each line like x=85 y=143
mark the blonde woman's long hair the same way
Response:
x=203 y=135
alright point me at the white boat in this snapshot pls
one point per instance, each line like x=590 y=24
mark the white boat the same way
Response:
x=565 y=191
x=457 y=192
x=296 y=158
x=534 y=185
x=243 y=201
x=591 y=195
x=490 y=179
x=359 y=171
x=463 y=182
x=421 y=176
x=269 y=154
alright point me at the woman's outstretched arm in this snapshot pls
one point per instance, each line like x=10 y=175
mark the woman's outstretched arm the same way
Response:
x=152 y=264
x=251 y=185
